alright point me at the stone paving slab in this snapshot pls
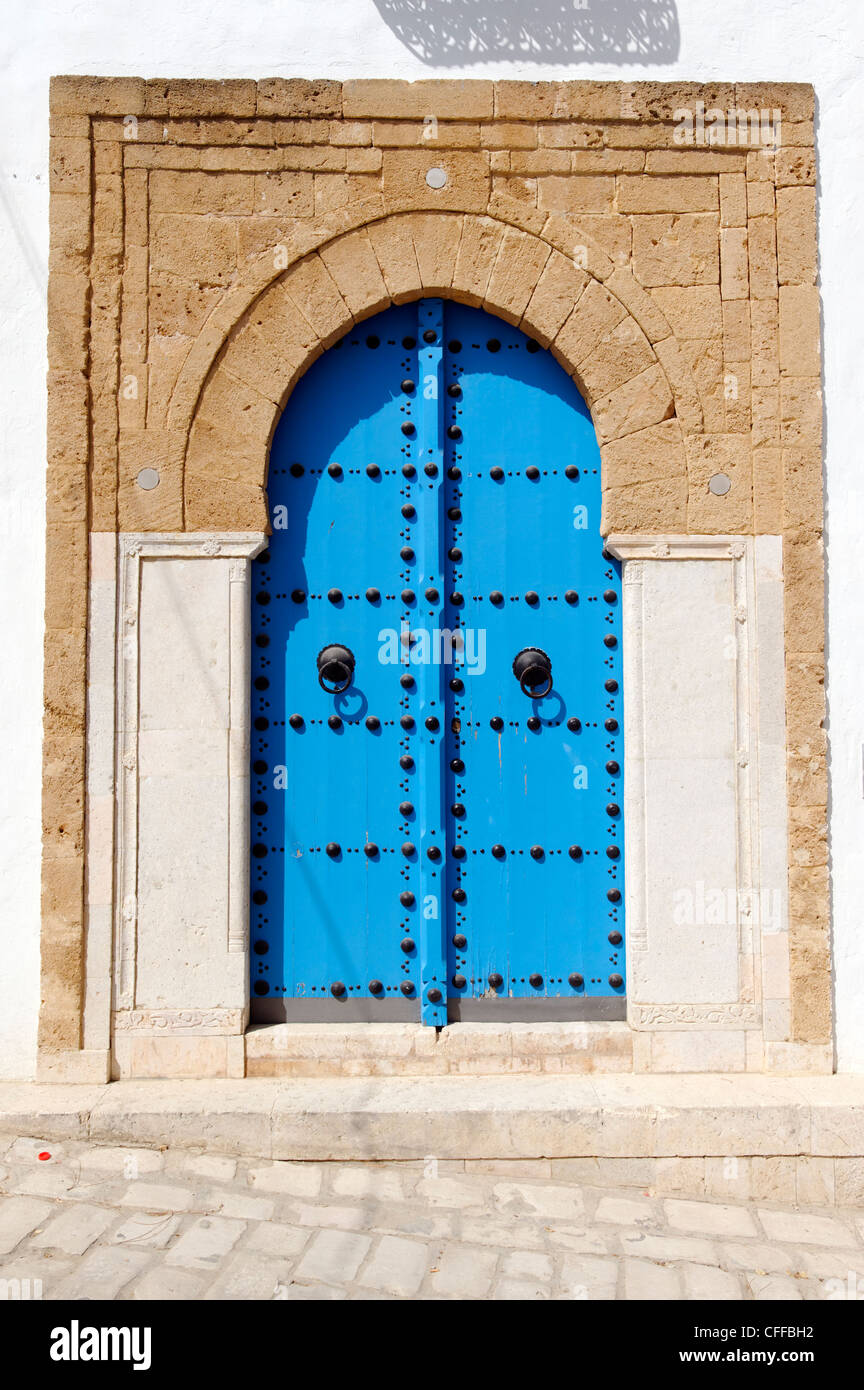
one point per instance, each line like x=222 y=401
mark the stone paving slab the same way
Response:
x=126 y=1223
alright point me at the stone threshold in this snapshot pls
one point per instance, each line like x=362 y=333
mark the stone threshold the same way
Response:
x=458 y=1117
x=409 y=1049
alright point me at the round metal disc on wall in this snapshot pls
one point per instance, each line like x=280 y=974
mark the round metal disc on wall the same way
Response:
x=719 y=484
x=436 y=178
x=148 y=478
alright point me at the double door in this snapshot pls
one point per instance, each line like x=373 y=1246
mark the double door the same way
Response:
x=436 y=818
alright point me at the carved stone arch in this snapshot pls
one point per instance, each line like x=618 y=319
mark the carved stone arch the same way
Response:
x=609 y=337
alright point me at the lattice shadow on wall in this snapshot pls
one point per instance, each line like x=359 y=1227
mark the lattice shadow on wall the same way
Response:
x=455 y=32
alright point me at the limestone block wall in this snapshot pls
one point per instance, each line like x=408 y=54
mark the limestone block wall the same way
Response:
x=210 y=239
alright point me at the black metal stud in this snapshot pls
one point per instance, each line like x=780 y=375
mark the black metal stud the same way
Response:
x=456 y=599
x=496 y=722
x=430 y=336
x=373 y=723
x=496 y=980
x=457 y=809
x=610 y=641
x=335 y=470
x=435 y=996
x=409 y=512
x=457 y=685
x=406 y=681
x=407 y=898
x=334 y=722
x=575 y=851
x=407 y=595
x=571 y=471
x=432 y=595
x=373 y=595
x=535 y=981
x=454 y=432
x=376 y=987
x=613 y=768
x=407 y=721
x=372 y=470
x=297 y=470
x=575 y=981
x=457 y=766
x=406 y=763
x=407 y=554
x=497 y=473
x=408 y=849
x=333 y=851
x=334 y=595
x=496 y=597
x=459 y=982
x=532 y=598
x=533 y=722
x=574 y=724
x=571 y=596
x=454 y=554
x=454 y=513
x=298 y=596
x=615 y=981
x=615 y=938
x=296 y=721
x=611 y=686
x=407 y=944
x=610 y=596
x=454 y=473
x=458 y=895
x=431 y=470
x=408 y=470
x=407 y=428
x=614 y=895
x=432 y=724
x=454 y=390
x=408 y=386
x=370 y=849
x=611 y=726
x=532 y=472
x=459 y=851
x=536 y=851
x=460 y=941
x=613 y=852
x=498 y=851
x=406 y=809
x=337 y=989
x=407 y=988
x=613 y=809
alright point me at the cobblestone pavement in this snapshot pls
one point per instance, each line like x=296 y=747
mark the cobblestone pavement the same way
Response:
x=92 y=1222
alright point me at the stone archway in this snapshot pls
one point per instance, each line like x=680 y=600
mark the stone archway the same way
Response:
x=618 y=352
x=210 y=239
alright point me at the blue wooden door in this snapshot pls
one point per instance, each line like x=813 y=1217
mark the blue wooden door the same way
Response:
x=436 y=743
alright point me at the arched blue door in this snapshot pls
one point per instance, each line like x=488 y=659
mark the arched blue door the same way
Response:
x=436 y=742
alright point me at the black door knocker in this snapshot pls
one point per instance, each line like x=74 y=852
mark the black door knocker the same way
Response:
x=336 y=666
x=533 y=670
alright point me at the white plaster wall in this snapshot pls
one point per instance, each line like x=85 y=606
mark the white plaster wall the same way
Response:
x=791 y=40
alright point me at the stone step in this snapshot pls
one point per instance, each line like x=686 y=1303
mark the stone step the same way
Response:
x=464 y=1049
x=457 y=1117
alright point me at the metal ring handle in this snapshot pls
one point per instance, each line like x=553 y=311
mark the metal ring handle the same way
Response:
x=532 y=692
x=336 y=689
x=335 y=664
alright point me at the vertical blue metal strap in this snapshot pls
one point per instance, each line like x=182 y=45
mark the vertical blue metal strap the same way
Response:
x=429 y=675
